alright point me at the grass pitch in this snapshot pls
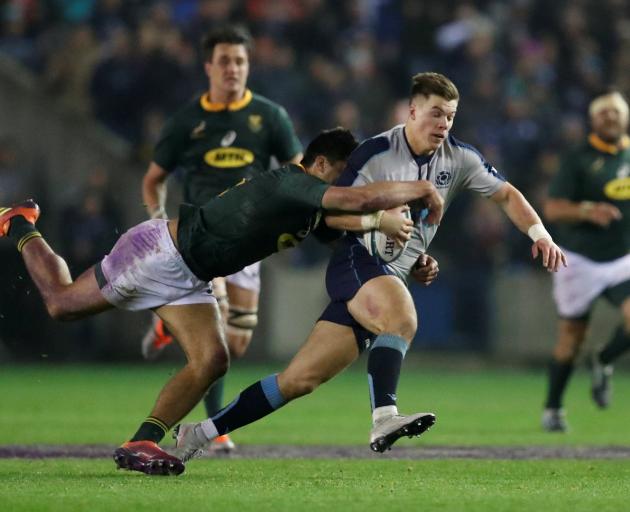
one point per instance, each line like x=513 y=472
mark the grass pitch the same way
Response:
x=104 y=404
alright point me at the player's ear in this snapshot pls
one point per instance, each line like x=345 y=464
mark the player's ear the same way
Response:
x=206 y=66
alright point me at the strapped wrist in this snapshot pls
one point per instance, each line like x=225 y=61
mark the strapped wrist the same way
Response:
x=538 y=231
x=372 y=220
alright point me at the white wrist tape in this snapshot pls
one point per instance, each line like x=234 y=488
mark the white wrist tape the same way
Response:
x=372 y=220
x=159 y=213
x=538 y=231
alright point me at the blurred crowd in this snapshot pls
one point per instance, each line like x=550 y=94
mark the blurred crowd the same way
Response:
x=526 y=70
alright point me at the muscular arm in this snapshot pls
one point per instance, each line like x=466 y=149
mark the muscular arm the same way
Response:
x=516 y=207
x=523 y=216
x=154 y=190
x=384 y=195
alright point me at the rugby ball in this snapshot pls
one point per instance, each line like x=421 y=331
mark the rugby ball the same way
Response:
x=379 y=244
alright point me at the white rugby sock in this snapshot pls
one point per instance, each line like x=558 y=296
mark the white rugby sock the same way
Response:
x=380 y=413
x=208 y=429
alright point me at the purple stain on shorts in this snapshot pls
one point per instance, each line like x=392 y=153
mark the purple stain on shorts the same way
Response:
x=132 y=247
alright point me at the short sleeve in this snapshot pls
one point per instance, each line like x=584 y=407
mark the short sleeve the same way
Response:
x=170 y=145
x=285 y=143
x=564 y=184
x=304 y=188
x=479 y=175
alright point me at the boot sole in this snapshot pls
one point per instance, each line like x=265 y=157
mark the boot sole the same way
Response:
x=416 y=428
x=124 y=459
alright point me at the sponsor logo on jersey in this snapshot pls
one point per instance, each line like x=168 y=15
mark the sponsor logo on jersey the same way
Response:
x=229 y=157
x=255 y=123
x=198 y=131
x=287 y=240
x=228 y=139
x=598 y=164
x=618 y=189
x=443 y=179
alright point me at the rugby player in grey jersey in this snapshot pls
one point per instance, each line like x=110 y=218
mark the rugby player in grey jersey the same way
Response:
x=166 y=265
x=371 y=306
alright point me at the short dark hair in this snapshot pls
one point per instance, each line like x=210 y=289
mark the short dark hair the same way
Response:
x=433 y=83
x=230 y=34
x=335 y=144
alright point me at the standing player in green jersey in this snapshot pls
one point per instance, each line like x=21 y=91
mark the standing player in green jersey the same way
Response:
x=165 y=265
x=219 y=138
x=589 y=199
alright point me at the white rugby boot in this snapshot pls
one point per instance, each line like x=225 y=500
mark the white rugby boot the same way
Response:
x=190 y=441
x=554 y=420
x=387 y=431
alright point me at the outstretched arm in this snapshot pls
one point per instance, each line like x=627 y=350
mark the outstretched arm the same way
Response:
x=384 y=195
x=525 y=218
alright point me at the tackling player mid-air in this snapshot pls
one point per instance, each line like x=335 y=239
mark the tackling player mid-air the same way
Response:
x=166 y=266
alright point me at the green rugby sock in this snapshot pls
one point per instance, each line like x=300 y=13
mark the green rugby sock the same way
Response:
x=619 y=343
x=21 y=231
x=152 y=429
x=214 y=397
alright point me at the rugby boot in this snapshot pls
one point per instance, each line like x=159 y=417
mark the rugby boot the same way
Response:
x=601 y=382
x=554 y=420
x=28 y=209
x=190 y=441
x=147 y=457
x=156 y=339
x=388 y=430
x=222 y=445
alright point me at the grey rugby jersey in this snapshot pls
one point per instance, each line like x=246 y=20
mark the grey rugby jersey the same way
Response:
x=453 y=167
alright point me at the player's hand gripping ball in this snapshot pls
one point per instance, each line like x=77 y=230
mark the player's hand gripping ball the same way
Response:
x=387 y=248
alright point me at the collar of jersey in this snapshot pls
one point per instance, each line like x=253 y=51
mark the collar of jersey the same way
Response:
x=208 y=105
x=604 y=147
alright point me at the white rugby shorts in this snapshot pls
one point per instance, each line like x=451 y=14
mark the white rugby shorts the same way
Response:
x=144 y=270
x=576 y=286
x=248 y=277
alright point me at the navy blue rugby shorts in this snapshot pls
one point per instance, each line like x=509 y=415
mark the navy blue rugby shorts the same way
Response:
x=350 y=267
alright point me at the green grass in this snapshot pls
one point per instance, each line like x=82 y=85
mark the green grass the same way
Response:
x=104 y=404
x=320 y=485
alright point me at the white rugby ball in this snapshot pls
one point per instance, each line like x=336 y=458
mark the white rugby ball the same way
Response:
x=379 y=244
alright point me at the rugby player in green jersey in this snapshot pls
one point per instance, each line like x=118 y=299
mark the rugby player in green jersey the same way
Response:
x=226 y=134
x=165 y=265
x=589 y=199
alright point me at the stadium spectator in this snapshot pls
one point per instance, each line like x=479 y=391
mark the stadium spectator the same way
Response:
x=589 y=201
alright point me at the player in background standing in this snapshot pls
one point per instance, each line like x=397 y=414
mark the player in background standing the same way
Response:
x=221 y=137
x=589 y=199
x=371 y=307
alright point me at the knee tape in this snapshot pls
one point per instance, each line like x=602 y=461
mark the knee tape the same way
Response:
x=240 y=318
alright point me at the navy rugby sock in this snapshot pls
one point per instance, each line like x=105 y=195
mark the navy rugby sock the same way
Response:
x=384 y=363
x=255 y=402
x=214 y=397
x=559 y=374
x=21 y=231
x=152 y=429
x=619 y=343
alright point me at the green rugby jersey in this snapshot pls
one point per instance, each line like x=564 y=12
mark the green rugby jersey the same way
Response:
x=275 y=210
x=217 y=145
x=596 y=171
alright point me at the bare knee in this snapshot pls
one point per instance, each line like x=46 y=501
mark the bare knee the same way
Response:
x=404 y=325
x=211 y=365
x=571 y=336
